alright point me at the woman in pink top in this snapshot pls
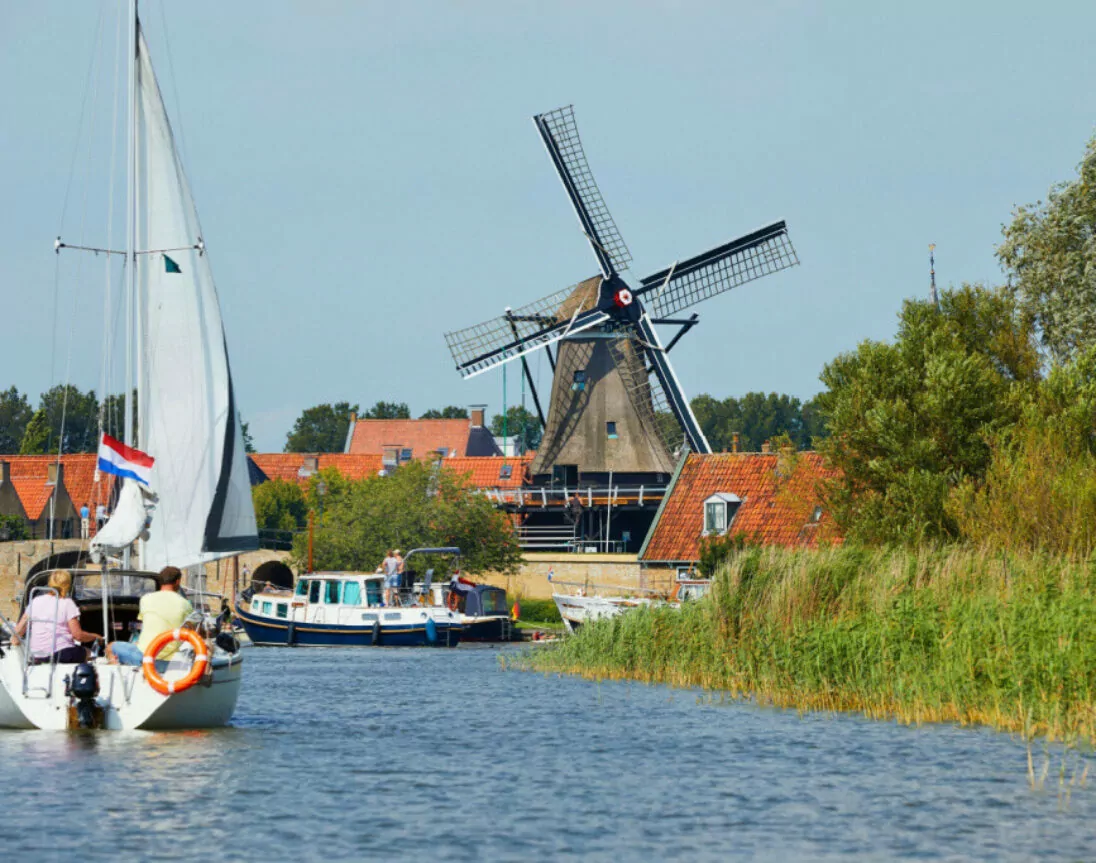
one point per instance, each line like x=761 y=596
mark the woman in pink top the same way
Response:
x=54 y=621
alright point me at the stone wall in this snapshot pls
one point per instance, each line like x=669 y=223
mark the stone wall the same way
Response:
x=592 y=571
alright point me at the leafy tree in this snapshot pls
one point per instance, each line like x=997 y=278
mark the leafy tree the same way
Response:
x=15 y=413
x=520 y=423
x=13 y=527
x=249 y=444
x=910 y=420
x=757 y=418
x=78 y=411
x=36 y=436
x=388 y=411
x=421 y=504
x=279 y=505
x=322 y=428
x=451 y=412
x=1049 y=250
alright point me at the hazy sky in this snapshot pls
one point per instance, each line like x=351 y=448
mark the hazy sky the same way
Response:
x=368 y=176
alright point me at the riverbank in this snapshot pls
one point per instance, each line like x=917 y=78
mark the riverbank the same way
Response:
x=933 y=635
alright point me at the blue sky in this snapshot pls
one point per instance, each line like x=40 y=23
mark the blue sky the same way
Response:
x=368 y=176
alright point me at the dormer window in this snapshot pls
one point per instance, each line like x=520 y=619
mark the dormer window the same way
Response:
x=506 y=471
x=390 y=457
x=719 y=512
x=578 y=383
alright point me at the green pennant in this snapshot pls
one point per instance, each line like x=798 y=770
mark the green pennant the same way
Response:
x=170 y=266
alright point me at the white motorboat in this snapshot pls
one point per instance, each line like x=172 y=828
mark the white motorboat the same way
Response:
x=582 y=607
x=197 y=505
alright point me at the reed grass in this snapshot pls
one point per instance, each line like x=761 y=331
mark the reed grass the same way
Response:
x=937 y=634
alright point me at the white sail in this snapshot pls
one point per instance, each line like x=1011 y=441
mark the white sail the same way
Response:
x=189 y=420
x=127 y=523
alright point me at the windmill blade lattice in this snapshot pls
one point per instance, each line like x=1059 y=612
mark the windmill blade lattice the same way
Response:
x=560 y=133
x=718 y=270
x=484 y=346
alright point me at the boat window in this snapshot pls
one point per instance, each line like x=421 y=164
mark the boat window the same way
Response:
x=314 y=591
x=369 y=616
x=255 y=605
x=352 y=593
x=282 y=610
x=267 y=607
x=391 y=615
x=302 y=587
x=494 y=601
x=373 y=593
x=331 y=593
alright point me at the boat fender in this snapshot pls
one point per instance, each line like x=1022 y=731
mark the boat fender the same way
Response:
x=376 y=632
x=431 y=631
x=197 y=668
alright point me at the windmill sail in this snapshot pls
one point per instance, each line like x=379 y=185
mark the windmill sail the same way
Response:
x=188 y=415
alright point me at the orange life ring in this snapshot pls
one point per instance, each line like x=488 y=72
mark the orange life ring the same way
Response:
x=201 y=661
x=453 y=602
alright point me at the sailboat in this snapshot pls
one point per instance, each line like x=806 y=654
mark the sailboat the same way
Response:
x=197 y=507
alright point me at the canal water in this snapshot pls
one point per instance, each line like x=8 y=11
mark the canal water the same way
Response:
x=433 y=754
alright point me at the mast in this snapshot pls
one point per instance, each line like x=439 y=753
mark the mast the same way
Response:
x=131 y=230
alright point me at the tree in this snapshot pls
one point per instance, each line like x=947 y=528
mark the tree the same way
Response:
x=521 y=424
x=15 y=413
x=757 y=418
x=1049 y=251
x=113 y=413
x=388 y=411
x=13 y=527
x=322 y=428
x=78 y=411
x=279 y=505
x=911 y=420
x=452 y=412
x=420 y=504
x=249 y=444
x=36 y=436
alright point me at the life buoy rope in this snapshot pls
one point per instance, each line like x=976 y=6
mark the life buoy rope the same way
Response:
x=197 y=668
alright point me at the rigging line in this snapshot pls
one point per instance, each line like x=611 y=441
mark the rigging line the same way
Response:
x=68 y=189
x=174 y=83
x=108 y=338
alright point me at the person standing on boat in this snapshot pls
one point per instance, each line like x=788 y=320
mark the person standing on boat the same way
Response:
x=100 y=516
x=54 y=621
x=85 y=521
x=162 y=611
x=390 y=566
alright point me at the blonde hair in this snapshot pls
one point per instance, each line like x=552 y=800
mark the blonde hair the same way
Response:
x=61 y=580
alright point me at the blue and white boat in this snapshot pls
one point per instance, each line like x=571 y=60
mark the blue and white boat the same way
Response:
x=341 y=609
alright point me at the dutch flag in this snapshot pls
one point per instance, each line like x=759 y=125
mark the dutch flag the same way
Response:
x=117 y=458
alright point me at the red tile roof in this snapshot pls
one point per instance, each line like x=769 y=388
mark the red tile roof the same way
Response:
x=287 y=465
x=29 y=474
x=486 y=472
x=422 y=437
x=779 y=494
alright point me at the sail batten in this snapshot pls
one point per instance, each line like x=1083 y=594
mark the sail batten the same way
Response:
x=188 y=416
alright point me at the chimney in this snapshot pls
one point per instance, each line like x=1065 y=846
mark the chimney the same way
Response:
x=353 y=417
x=477 y=413
x=5 y=472
x=765 y=447
x=55 y=474
x=734 y=442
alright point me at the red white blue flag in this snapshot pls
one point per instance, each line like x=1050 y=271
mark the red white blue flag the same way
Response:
x=125 y=461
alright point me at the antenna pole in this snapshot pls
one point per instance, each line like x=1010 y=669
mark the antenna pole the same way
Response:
x=932 y=275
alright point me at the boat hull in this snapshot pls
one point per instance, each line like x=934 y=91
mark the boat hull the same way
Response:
x=275 y=632
x=125 y=698
x=579 y=610
x=494 y=628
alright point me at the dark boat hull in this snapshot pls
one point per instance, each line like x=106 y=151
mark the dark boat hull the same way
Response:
x=265 y=632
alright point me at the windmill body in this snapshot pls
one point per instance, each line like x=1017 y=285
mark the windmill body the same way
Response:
x=618 y=418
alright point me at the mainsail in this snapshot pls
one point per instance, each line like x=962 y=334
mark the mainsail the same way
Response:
x=188 y=415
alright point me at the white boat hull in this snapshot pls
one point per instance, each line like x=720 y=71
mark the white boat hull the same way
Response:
x=127 y=701
x=579 y=610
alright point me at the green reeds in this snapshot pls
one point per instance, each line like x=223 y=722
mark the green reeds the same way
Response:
x=933 y=635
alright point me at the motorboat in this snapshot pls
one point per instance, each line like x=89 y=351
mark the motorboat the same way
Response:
x=588 y=603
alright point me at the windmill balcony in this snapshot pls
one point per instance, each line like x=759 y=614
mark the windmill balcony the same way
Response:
x=529 y=498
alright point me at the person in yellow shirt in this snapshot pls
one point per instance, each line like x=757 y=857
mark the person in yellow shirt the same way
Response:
x=162 y=611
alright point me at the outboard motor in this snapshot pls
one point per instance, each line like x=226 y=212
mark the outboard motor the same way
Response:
x=83 y=687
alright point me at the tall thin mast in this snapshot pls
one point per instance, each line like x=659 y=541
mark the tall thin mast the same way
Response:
x=131 y=228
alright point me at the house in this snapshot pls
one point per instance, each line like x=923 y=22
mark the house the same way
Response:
x=772 y=498
x=399 y=441
x=52 y=490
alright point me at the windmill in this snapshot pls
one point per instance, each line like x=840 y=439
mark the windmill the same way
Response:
x=616 y=404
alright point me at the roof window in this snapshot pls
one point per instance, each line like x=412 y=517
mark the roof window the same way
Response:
x=506 y=471
x=719 y=512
